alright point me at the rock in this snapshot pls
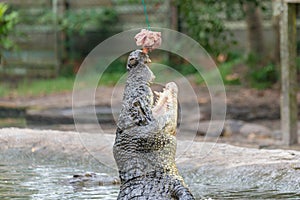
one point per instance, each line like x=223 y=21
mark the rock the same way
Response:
x=277 y=134
x=7 y=111
x=216 y=128
x=255 y=130
x=220 y=128
x=239 y=169
x=52 y=116
x=38 y=141
x=207 y=167
x=233 y=127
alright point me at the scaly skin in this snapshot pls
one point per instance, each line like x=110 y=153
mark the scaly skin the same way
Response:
x=145 y=143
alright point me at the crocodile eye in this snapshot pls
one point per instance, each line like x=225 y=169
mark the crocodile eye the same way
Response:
x=131 y=63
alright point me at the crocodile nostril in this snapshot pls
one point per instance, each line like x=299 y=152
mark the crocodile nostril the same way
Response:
x=132 y=61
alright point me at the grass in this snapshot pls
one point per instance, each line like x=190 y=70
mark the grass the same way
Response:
x=41 y=87
x=37 y=87
x=110 y=78
x=225 y=71
x=264 y=78
x=12 y=122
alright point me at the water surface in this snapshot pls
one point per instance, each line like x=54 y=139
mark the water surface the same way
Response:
x=27 y=179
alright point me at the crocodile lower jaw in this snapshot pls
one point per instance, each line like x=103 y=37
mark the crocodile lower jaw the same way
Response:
x=166 y=104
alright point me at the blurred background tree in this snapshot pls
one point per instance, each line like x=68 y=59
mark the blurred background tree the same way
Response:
x=8 y=21
x=80 y=31
x=237 y=34
x=206 y=20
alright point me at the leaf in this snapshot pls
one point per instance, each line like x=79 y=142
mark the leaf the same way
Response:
x=3 y=9
x=8 y=21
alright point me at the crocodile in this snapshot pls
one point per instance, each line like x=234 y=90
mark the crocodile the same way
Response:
x=93 y=179
x=145 y=143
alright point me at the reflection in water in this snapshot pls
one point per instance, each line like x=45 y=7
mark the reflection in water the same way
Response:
x=23 y=179
x=47 y=181
x=218 y=187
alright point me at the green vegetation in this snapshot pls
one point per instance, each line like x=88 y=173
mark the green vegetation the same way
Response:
x=229 y=71
x=264 y=78
x=260 y=75
x=228 y=76
x=194 y=13
x=184 y=68
x=63 y=83
x=12 y=122
x=37 y=87
x=241 y=71
x=205 y=21
x=80 y=21
x=41 y=87
x=82 y=29
x=298 y=62
x=8 y=21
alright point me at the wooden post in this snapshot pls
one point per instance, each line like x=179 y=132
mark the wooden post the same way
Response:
x=288 y=73
x=174 y=15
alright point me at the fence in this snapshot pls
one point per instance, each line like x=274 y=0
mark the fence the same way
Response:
x=36 y=50
x=44 y=48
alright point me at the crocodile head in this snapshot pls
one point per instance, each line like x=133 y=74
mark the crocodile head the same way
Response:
x=139 y=108
x=164 y=110
x=164 y=104
x=136 y=57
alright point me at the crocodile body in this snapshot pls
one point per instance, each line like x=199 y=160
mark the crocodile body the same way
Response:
x=145 y=143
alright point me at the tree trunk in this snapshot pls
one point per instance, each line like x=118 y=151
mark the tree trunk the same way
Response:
x=254 y=29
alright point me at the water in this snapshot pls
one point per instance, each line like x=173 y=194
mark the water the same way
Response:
x=47 y=180
x=225 y=191
x=45 y=176
x=27 y=179
x=240 y=183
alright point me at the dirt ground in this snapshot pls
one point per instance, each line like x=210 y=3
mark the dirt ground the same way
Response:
x=259 y=108
x=235 y=96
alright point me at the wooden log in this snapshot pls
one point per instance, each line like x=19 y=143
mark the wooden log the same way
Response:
x=288 y=74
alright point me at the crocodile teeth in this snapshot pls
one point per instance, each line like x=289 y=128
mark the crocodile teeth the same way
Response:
x=157 y=93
